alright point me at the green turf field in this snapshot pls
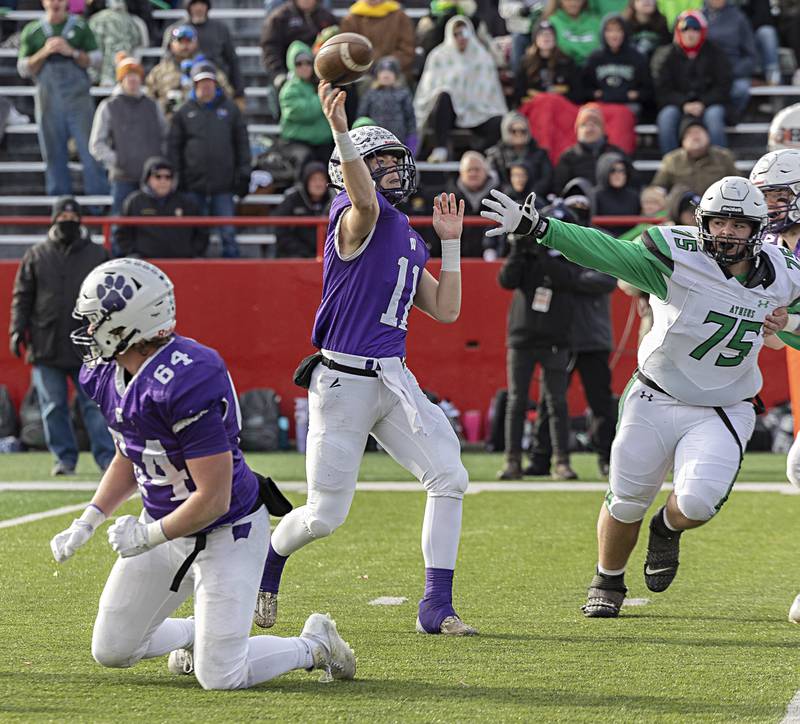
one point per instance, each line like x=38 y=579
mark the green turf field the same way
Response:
x=715 y=647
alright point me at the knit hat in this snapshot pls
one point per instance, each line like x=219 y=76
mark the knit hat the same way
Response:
x=65 y=203
x=590 y=111
x=543 y=26
x=388 y=62
x=687 y=123
x=183 y=31
x=126 y=64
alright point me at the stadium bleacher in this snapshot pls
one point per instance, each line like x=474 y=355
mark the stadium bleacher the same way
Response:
x=21 y=167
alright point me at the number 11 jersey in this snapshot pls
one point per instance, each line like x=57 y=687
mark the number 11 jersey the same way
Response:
x=367 y=296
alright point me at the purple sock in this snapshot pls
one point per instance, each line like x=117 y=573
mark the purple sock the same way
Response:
x=273 y=569
x=437 y=603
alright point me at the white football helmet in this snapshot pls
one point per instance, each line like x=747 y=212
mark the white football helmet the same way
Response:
x=784 y=130
x=738 y=198
x=122 y=302
x=780 y=171
x=370 y=141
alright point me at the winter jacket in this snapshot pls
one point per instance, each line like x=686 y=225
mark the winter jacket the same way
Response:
x=216 y=44
x=577 y=37
x=528 y=267
x=127 y=130
x=678 y=79
x=730 y=29
x=388 y=28
x=646 y=37
x=208 y=145
x=114 y=31
x=670 y=9
x=392 y=108
x=302 y=118
x=580 y=161
x=161 y=242
x=45 y=289
x=609 y=201
x=591 y=321
x=540 y=171
x=614 y=74
x=299 y=241
x=286 y=24
x=696 y=174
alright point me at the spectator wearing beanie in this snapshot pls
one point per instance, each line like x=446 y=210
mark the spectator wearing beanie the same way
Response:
x=158 y=196
x=518 y=146
x=580 y=159
x=681 y=203
x=691 y=76
x=47 y=283
x=116 y=32
x=390 y=103
x=310 y=196
x=697 y=163
x=215 y=43
x=128 y=129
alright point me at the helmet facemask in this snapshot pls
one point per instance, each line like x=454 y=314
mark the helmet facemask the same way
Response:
x=783 y=215
x=404 y=168
x=726 y=249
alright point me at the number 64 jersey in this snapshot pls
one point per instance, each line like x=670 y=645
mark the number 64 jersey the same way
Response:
x=707 y=325
x=180 y=405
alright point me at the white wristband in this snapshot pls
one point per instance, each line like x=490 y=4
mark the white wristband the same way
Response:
x=451 y=255
x=93 y=516
x=346 y=147
x=155 y=533
x=793 y=323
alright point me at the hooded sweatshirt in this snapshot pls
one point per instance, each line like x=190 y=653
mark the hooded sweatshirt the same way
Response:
x=302 y=118
x=579 y=36
x=730 y=29
x=388 y=28
x=470 y=78
x=616 y=73
x=153 y=242
x=614 y=201
x=681 y=74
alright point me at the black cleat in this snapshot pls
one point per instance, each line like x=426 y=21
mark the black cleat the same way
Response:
x=661 y=564
x=604 y=598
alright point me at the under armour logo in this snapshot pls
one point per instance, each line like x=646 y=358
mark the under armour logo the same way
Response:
x=335 y=383
x=646 y=395
x=764 y=303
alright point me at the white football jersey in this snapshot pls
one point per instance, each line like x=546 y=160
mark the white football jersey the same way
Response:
x=706 y=335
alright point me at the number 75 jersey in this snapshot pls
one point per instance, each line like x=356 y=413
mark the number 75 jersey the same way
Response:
x=180 y=405
x=367 y=296
x=708 y=330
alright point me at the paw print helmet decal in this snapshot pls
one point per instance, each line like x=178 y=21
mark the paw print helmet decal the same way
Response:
x=122 y=302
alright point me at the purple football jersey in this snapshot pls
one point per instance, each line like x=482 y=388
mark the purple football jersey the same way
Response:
x=180 y=405
x=366 y=301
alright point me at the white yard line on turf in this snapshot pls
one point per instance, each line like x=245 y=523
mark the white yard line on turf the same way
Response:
x=395 y=486
x=31 y=517
x=792 y=710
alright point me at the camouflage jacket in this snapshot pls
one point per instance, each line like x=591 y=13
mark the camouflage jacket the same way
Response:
x=114 y=31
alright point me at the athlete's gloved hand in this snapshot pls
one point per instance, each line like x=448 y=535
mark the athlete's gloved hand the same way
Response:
x=513 y=218
x=129 y=537
x=68 y=541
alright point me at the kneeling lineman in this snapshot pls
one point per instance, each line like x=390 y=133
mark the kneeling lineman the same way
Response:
x=172 y=410
x=716 y=292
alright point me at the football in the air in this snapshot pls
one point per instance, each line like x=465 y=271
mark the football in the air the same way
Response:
x=343 y=59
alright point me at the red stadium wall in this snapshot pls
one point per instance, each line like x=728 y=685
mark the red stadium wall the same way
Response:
x=259 y=316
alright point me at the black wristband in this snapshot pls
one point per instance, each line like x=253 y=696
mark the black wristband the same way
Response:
x=541 y=227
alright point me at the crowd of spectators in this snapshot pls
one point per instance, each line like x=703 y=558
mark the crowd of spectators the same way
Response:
x=527 y=95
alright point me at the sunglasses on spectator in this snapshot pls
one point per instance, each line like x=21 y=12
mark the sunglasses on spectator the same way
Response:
x=162 y=176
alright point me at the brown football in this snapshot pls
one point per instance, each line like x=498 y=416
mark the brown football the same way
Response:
x=343 y=59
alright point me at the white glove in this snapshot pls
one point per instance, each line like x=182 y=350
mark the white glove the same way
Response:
x=68 y=541
x=513 y=218
x=128 y=537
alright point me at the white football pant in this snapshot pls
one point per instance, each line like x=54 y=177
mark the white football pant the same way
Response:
x=343 y=410
x=655 y=432
x=132 y=622
x=793 y=463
